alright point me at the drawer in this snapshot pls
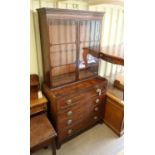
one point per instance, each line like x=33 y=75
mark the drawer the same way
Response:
x=70 y=117
x=73 y=114
x=81 y=125
x=79 y=111
x=71 y=111
x=38 y=109
x=67 y=103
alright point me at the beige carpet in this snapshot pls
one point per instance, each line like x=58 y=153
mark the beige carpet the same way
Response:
x=99 y=140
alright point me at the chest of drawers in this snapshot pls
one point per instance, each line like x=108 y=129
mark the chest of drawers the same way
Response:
x=76 y=107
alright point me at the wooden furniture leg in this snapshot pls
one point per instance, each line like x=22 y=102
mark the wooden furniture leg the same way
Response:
x=53 y=147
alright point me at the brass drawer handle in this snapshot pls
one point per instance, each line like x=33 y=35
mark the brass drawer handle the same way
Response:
x=69 y=121
x=95 y=117
x=70 y=131
x=69 y=113
x=69 y=101
x=96 y=109
x=97 y=100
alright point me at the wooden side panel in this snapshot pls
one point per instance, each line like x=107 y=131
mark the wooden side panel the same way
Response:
x=44 y=36
x=52 y=108
x=114 y=116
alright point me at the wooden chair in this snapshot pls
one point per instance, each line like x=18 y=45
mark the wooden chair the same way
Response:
x=42 y=133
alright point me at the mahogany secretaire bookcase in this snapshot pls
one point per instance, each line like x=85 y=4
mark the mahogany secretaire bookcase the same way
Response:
x=72 y=85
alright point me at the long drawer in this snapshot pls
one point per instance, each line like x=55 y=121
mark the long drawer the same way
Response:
x=78 y=111
x=65 y=100
x=69 y=117
x=69 y=101
x=81 y=125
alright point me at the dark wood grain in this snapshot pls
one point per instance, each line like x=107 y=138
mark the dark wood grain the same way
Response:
x=45 y=48
x=86 y=105
x=34 y=86
x=42 y=133
x=114 y=114
x=61 y=64
x=71 y=14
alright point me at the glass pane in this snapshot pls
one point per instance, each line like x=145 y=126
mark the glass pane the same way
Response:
x=62 y=31
x=89 y=37
x=62 y=51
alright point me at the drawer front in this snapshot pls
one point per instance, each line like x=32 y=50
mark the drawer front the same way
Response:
x=81 y=125
x=79 y=111
x=81 y=105
x=88 y=118
x=70 y=117
x=114 y=115
x=38 y=109
x=68 y=102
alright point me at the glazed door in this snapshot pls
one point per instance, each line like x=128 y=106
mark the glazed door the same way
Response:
x=89 y=31
x=63 y=51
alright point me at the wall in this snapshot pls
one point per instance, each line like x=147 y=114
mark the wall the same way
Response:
x=35 y=51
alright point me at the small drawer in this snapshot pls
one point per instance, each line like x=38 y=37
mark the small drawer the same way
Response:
x=69 y=102
x=70 y=111
x=38 y=109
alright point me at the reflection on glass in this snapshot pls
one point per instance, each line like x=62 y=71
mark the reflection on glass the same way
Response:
x=89 y=37
x=62 y=51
